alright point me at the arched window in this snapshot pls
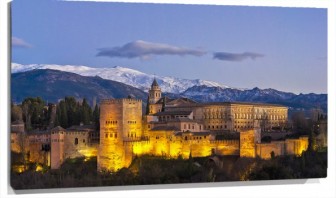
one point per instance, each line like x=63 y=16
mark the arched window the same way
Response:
x=76 y=141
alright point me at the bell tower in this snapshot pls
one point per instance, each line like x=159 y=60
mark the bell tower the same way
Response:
x=154 y=92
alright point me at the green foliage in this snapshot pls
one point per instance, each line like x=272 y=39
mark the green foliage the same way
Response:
x=16 y=112
x=147 y=169
x=301 y=125
x=310 y=165
x=272 y=155
x=86 y=112
x=96 y=115
x=312 y=141
x=34 y=113
x=71 y=112
x=147 y=106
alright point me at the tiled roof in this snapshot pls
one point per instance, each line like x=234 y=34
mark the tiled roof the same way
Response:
x=58 y=128
x=224 y=103
x=173 y=113
x=155 y=83
x=81 y=128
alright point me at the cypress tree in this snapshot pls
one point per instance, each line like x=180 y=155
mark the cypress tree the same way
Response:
x=63 y=115
x=147 y=106
x=56 y=122
x=86 y=112
x=96 y=116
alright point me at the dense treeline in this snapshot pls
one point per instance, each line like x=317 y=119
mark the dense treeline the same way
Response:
x=71 y=112
x=37 y=114
x=158 y=170
x=311 y=164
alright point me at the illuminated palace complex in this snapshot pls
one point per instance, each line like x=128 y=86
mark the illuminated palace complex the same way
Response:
x=183 y=127
x=170 y=128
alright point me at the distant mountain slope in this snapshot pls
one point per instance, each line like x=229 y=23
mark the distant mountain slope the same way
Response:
x=124 y=75
x=53 y=85
x=216 y=94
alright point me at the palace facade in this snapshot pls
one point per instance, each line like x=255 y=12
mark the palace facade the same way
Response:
x=170 y=127
x=183 y=127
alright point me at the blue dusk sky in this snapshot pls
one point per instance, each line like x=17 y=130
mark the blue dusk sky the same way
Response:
x=239 y=46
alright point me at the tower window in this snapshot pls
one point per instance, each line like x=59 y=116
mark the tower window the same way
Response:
x=76 y=141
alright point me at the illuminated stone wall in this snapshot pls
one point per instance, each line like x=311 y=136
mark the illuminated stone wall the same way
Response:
x=248 y=140
x=237 y=116
x=264 y=150
x=215 y=117
x=76 y=144
x=154 y=108
x=169 y=144
x=296 y=146
x=16 y=143
x=286 y=147
x=226 y=147
x=36 y=143
x=37 y=155
x=120 y=120
x=57 y=147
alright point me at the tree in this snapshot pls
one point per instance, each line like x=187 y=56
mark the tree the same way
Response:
x=62 y=114
x=96 y=115
x=56 y=122
x=300 y=123
x=71 y=112
x=16 y=112
x=72 y=109
x=164 y=104
x=147 y=106
x=272 y=155
x=34 y=113
x=312 y=146
x=86 y=112
x=23 y=144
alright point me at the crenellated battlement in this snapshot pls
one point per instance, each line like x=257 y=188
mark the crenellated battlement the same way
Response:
x=235 y=142
x=125 y=117
x=119 y=100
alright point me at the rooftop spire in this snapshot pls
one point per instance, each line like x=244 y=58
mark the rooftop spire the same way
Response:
x=155 y=83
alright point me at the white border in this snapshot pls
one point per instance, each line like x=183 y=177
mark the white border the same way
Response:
x=312 y=188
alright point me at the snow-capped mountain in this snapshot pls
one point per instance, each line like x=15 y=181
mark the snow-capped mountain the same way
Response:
x=124 y=75
x=272 y=96
x=52 y=85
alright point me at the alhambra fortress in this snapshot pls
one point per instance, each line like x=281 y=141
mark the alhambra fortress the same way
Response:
x=169 y=127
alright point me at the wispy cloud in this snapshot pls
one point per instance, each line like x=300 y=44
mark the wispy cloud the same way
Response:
x=144 y=50
x=17 y=42
x=225 y=56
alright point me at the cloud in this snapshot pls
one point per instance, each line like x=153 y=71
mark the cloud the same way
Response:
x=17 y=42
x=144 y=50
x=225 y=56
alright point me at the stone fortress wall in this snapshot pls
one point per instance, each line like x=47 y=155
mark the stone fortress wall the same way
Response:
x=187 y=129
x=171 y=128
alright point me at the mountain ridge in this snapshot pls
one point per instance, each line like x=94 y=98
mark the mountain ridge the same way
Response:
x=124 y=75
x=53 y=85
